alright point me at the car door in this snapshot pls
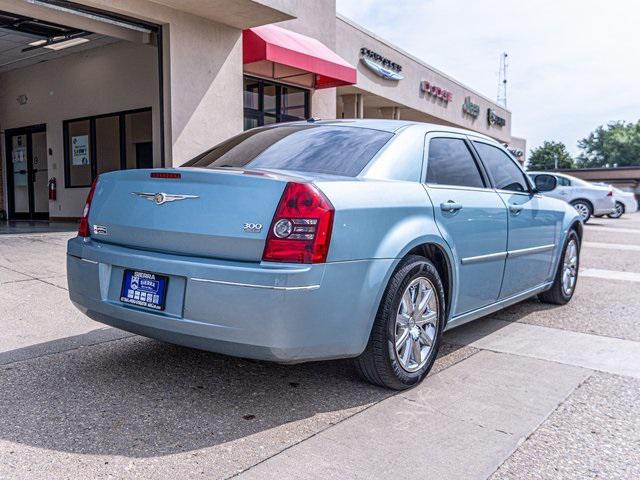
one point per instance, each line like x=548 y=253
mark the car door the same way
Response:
x=534 y=222
x=471 y=217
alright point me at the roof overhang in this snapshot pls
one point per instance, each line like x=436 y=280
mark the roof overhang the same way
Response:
x=284 y=55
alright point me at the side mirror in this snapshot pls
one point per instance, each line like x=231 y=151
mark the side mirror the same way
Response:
x=545 y=182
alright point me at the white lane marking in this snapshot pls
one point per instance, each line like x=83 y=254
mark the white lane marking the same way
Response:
x=612 y=246
x=610 y=274
x=606 y=354
x=613 y=229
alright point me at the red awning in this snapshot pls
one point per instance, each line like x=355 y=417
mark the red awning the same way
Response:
x=290 y=56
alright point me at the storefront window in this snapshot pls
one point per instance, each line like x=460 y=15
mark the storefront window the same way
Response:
x=106 y=143
x=266 y=102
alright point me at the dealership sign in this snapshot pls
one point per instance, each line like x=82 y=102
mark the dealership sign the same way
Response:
x=470 y=108
x=380 y=65
x=436 y=91
x=494 y=119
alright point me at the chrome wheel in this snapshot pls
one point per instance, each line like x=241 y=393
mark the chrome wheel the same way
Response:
x=416 y=324
x=583 y=210
x=570 y=267
x=619 y=211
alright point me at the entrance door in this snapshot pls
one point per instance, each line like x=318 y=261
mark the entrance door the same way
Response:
x=27 y=178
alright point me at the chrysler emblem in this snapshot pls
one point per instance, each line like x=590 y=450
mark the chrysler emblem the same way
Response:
x=161 y=197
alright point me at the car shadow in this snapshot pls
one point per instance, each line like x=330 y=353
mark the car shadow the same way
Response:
x=482 y=327
x=140 y=398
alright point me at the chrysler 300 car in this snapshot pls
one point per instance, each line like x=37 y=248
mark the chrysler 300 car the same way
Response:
x=324 y=239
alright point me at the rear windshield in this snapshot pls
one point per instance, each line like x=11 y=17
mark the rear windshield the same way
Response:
x=302 y=148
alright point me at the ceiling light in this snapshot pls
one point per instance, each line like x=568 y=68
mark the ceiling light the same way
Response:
x=66 y=44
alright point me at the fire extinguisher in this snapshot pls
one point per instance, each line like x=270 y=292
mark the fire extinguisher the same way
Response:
x=52 y=189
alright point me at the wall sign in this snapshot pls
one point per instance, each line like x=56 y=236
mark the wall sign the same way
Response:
x=80 y=150
x=470 y=108
x=494 y=119
x=380 y=65
x=436 y=91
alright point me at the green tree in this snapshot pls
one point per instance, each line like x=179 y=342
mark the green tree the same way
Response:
x=617 y=143
x=545 y=157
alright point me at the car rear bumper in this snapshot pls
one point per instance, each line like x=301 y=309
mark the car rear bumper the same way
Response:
x=280 y=312
x=604 y=206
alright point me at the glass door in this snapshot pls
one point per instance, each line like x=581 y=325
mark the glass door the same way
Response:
x=27 y=175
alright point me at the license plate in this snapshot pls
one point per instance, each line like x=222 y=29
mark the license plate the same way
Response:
x=144 y=289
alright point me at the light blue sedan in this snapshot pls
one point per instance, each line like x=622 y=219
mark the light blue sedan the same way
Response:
x=324 y=239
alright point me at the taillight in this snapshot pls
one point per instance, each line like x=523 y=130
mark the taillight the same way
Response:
x=610 y=194
x=83 y=229
x=301 y=228
x=165 y=175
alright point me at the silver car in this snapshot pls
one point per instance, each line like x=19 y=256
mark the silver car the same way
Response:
x=626 y=202
x=588 y=199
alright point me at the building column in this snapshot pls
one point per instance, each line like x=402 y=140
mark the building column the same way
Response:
x=391 y=113
x=353 y=106
x=349 y=106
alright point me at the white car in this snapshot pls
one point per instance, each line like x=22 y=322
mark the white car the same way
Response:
x=626 y=202
x=588 y=199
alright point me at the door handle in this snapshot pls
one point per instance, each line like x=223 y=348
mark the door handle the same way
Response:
x=450 y=206
x=515 y=209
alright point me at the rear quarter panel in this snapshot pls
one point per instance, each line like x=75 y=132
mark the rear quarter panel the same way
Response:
x=380 y=221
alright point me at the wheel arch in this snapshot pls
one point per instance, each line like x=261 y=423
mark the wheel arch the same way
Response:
x=585 y=200
x=440 y=258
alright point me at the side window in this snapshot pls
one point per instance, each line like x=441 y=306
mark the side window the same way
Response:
x=503 y=170
x=564 y=182
x=451 y=163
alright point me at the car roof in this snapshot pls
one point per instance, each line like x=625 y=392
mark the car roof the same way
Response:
x=391 y=126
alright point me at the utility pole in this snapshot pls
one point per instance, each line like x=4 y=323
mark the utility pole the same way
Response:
x=502 y=80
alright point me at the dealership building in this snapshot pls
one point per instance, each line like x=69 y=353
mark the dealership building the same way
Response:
x=93 y=86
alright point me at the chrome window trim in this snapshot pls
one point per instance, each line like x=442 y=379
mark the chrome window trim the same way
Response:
x=514 y=192
x=253 y=285
x=458 y=187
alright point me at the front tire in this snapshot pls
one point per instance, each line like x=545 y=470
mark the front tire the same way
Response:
x=619 y=211
x=564 y=284
x=584 y=209
x=407 y=330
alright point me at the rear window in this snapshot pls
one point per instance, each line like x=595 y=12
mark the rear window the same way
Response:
x=303 y=148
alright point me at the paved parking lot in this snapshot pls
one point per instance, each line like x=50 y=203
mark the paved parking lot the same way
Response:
x=534 y=391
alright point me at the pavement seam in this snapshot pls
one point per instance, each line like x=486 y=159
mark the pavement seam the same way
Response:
x=544 y=419
x=31 y=277
x=393 y=395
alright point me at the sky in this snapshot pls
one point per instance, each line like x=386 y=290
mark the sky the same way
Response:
x=573 y=64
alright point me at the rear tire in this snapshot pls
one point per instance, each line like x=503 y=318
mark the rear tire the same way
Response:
x=407 y=330
x=584 y=209
x=619 y=211
x=564 y=284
